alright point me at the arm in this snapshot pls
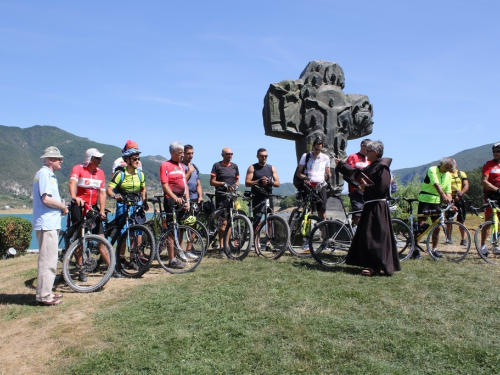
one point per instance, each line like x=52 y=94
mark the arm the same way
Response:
x=199 y=190
x=488 y=185
x=276 y=179
x=215 y=183
x=52 y=203
x=189 y=171
x=298 y=172
x=248 y=180
x=72 y=192
x=102 y=202
x=445 y=197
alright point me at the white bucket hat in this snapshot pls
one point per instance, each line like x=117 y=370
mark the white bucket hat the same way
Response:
x=51 y=152
x=92 y=153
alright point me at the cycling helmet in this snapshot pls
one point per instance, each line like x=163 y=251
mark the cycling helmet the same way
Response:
x=130 y=152
x=496 y=145
x=189 y=220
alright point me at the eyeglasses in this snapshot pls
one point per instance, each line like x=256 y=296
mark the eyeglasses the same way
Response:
x=263 y=156
x=135 y=159
x=228 y=153
x=95 y=157
x=318 y=149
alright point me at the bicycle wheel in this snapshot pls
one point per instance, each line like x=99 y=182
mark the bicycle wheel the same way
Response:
x=404 y=238
x=92 y=274
x=298 y=242
x=187 y=251
x=154 y=226
x=203 y=231
x=329 y=242
x=449 y=241
x=271 y=237
x=208 y=222
x=139 y=247
x=491 y=242
x=238 y=237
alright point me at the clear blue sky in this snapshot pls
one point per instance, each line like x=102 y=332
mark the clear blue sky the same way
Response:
x=197 y=71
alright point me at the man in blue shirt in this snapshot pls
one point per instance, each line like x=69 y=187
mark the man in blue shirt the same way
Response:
x=192 y=175
x=47 y=211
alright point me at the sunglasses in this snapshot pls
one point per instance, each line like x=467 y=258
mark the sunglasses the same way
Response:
x=263 y=156
x=228 y=153
x=135 y=159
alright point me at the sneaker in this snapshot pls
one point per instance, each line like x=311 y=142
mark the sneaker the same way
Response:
x=415 y=255
x=496 y=250
x=182 y=256
x=82 y=276
x=132 y=265
x=223 y=255
x=190 y=255
x=449 y=242
x=305 y=247
x=437 y=254
x=484 y=250
x=117 y=275
x=174 y=263
x=463 y=243
x=269 y=246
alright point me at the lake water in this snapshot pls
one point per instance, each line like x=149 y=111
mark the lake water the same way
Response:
x=34 y=243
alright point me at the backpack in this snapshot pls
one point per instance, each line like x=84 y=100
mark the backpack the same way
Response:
x=121 y=170
x=298 y=182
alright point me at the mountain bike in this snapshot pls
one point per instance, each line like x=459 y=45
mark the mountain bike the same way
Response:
x=135 y=243
x=83 y=266
x=301 y=221
x=238 y=234
x=272 y=233
x=330 y=240
x=450 y=245
x=488 y=229
x=180 y=248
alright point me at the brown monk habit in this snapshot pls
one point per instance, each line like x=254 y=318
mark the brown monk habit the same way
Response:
x=374 y=245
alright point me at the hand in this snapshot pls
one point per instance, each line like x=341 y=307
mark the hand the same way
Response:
x=186 y=205
x=103 y=215
x=233 y=187
x=179 y=201
x=118 y=197
x=64 y=210
x=145 y=206
x=79 y=202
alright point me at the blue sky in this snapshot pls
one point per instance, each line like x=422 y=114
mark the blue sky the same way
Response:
x=197 y=71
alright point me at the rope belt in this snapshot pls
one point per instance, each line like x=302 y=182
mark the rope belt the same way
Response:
x=376 y=200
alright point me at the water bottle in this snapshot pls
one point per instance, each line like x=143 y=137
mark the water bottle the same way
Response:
x=164 y=221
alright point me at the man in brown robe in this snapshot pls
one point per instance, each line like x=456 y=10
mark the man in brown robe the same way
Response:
x=373 y=246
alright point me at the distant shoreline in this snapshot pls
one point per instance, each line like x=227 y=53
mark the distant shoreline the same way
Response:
x=16 y=211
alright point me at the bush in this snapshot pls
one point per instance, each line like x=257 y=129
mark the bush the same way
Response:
x=14 y=232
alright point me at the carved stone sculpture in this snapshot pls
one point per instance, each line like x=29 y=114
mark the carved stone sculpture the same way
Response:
x=315 y=106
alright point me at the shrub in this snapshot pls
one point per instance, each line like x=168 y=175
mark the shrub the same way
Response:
x=14 y=232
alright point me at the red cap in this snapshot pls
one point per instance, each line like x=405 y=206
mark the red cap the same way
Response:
x=129 y=144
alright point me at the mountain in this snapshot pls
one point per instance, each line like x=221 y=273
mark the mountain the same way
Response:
x=467 y=160
x=20 y=151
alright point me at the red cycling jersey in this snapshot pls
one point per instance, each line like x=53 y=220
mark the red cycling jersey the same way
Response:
x=174 y=175
x=491 y=169
x=88 y=185
x=357 y=161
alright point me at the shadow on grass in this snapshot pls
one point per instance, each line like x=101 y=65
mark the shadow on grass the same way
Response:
x=319 y=267
x=18 y=299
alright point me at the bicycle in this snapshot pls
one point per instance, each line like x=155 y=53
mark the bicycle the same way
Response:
x=451 y=246
x=80 y=253
x=331 y=240
x=301 y=221
x=133 y=238
x=180 y=248
x=272 y=232
x=491 y=239
x=238 y=234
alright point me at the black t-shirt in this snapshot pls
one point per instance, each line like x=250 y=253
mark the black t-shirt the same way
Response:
x=260 y=171
x=225 y=173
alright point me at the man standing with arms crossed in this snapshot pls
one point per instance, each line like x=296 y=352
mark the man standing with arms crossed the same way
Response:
x=490 y=180
x=224 y=177
x=358 y=160
x=47 y=211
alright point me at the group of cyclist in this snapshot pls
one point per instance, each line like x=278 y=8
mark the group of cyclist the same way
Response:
x=180 y=179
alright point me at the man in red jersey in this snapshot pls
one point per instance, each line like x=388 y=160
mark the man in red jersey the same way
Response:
x=174 y=184
x=358 y=160
x=490 y=180
x=87 y=185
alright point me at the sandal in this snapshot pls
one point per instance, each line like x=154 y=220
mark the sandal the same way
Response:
x=57 y=296
x=368 y=272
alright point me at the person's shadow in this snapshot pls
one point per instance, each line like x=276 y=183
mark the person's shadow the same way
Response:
x=18 y=299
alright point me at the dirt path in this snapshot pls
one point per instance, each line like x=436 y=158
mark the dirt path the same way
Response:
x=33 y=337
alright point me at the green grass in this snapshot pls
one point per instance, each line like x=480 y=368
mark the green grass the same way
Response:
x=289 y=317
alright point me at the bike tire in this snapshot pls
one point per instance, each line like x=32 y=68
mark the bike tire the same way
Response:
x=271 y=237
x=188 y=236
x=213 y=234
x=296 y=239
x=203 y=231
x=238 y=237
x=451 y=251
x=404 y=238
x=329 y=242
x=98 y=273
x=490 y=243
x=139 y=251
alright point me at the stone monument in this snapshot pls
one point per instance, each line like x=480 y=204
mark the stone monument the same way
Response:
x=315 y=106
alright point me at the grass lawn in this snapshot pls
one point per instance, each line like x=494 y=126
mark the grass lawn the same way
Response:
x=290 y=316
